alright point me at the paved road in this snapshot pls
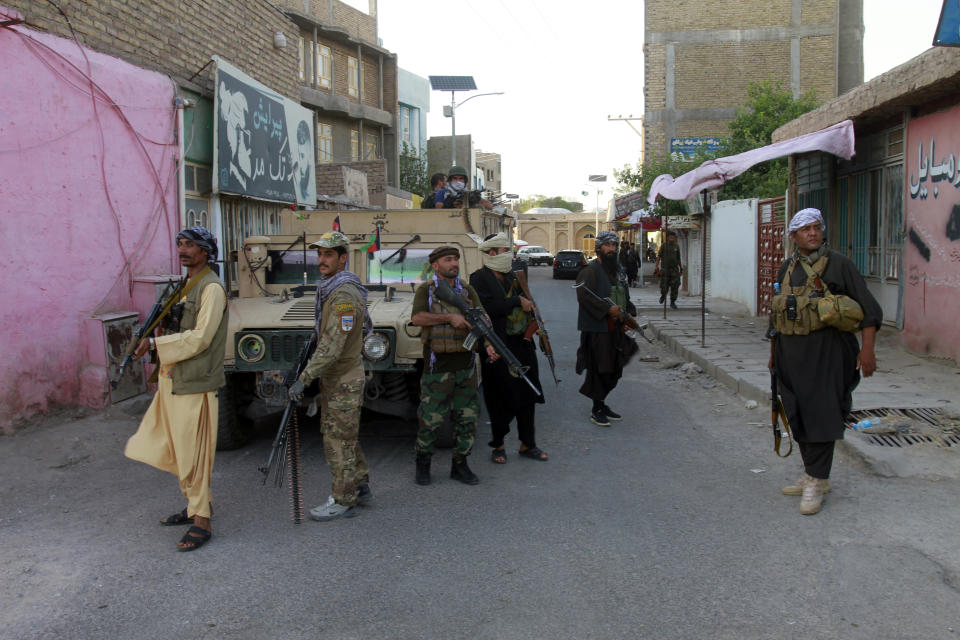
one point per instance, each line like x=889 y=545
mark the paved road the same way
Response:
x=668 y=525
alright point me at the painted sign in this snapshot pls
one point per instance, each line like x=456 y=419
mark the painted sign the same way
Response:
x=264 y=141
x=625 y=205
x=948 y=29
x=684 y=149
x=931 y=253
x=683 y=222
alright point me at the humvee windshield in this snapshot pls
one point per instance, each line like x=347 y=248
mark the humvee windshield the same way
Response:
x=401 y=267
x=288 y=267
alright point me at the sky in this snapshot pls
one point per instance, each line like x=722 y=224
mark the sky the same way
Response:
x=563 y=72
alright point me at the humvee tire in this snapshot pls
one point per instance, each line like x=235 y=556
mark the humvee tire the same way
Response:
x=232 y=431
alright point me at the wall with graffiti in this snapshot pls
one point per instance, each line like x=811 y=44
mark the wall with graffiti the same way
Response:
x=931 y=255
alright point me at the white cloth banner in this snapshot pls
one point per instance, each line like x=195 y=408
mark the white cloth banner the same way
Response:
x=837 y=139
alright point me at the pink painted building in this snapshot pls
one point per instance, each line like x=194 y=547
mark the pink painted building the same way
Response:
x=88 y=211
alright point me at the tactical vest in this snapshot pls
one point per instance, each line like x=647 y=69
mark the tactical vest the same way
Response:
x=444 y=338
x=798 y=311
x=517 y=320
x=204 y=371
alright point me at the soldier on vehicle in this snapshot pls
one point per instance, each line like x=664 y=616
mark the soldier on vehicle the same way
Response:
x=435 y=199
x=669 y=268
x=457 y=191
x=448 y=388
x=341 y=323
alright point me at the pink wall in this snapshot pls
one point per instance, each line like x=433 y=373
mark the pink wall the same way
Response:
x=931 y=252
x=63 y=244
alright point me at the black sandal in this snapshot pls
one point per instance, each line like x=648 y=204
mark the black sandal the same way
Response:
x=177 y=519
x=498 y=456
x=534 y=453
x=194 y=536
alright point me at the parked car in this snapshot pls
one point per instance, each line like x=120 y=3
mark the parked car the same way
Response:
x=535 y=255
x=568 y=263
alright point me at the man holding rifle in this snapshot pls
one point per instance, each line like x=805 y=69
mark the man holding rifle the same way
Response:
x=604 y=347
x=448 y=388
x=507 y=397
x=178 y=433
x=341 y=323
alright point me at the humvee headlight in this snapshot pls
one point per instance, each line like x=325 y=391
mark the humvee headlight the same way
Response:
x=376 y=346
x=251 y=348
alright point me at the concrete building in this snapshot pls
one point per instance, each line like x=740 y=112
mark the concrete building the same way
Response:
x=558 y=231
x=700 y=58
x=490 y=167
x=440 y=155
x=414 y=105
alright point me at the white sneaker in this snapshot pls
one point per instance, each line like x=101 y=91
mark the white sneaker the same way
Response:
x=331 y=510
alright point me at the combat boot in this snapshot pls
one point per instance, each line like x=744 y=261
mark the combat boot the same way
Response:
x=460 y=471
x=796 y=489
x=812 y=498
x=423 y=468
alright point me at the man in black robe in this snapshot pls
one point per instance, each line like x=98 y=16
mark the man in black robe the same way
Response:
x=818 y=372
x=604 y=347
x=505 y=396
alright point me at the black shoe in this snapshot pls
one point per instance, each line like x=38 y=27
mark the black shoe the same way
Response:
x=611 y=414
x=364 y=495
x=663 y=297
x=423 y=468
x=461 y=472
x=598 y=418
x=673 y=305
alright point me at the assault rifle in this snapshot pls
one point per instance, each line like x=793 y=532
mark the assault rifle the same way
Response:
x=480 y=326
x=632 y=327
x=472 y=198
x=545 y=346
x=160 y=308
x=776 y=414
x=285 y=452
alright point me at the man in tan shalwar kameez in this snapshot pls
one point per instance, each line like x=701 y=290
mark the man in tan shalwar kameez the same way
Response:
x=178 y=434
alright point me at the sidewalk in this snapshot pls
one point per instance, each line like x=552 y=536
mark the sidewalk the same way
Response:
x=736 y=353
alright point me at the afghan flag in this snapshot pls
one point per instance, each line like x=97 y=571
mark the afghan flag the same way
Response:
x=336 y=224
x=374 y=243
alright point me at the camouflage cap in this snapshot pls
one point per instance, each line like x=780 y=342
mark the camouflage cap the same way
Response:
x=331 y=240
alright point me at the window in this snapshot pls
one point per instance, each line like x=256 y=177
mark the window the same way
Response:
x=302 y=60
x=371 y=146
x=355 y=145
x=353 y=77
x=406 y=114
x=324 y=67
x=324 y=143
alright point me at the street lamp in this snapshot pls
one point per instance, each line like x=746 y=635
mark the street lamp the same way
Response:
x=596 y=207
x=454 y=84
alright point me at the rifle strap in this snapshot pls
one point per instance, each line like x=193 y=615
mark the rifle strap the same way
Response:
x=178 y=293
x=781 y=416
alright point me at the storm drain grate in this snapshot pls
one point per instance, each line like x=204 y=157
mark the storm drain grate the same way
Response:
x=921 y=426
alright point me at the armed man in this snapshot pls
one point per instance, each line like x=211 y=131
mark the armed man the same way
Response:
x=457 y=191
x=448 y=388
x=505 y=396
x=341 y=323
x=178 y=434
x=669 y=267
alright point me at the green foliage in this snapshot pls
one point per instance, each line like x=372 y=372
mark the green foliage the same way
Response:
x=413 y=171
x=641 y=177
x=538 y=200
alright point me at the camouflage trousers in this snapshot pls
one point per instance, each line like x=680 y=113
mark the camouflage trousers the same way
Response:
x=340 y=425
x=670 y=280
x=448 y=395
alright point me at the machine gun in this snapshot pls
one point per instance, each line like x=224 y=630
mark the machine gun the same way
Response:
x=473 y=198
x=480 y=326
x=545 y=346
x=631 y=327
x=157 y=313
x=285 y=452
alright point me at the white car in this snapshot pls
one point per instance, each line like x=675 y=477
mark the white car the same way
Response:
x=535 y=255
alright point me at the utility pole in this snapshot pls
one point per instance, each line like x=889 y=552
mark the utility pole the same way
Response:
x=629 y=120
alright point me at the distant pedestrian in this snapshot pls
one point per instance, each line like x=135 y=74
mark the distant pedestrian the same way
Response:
x=604 y=347
x=630 y=262
x=818 y=365
x=669 y=269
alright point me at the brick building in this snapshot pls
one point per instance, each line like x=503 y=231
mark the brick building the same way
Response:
x=700 y=58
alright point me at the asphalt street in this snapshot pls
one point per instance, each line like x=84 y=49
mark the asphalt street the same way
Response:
x=669 y=524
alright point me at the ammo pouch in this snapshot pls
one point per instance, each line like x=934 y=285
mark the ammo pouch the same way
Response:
x=799 y=311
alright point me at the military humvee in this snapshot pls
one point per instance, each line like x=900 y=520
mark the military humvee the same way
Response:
x=272 y=315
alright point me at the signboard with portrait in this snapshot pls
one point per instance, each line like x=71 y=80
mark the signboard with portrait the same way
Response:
x=263 y=142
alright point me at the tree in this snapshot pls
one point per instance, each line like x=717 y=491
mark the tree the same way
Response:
x=641 y=177
x=413 y=171
x=555 y=202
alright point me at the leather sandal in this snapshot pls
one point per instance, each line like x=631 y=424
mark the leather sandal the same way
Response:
x=534 y=453
x=196 y=537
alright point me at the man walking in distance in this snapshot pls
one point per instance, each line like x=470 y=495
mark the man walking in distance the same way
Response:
x=507 y=397
x=448 y=388
x=818 y=366
x=604 y=347
x=341 y=323
x=178 y=433
x=669 y=267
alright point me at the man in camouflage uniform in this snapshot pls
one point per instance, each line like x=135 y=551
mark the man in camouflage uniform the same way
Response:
x=669 y=267
x=448 y=387
x=341 y=324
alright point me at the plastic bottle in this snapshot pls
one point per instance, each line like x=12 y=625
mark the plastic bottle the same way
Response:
x=776 y=288
x=869 y=422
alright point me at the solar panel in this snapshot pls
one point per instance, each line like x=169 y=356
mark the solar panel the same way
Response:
x=452 y=83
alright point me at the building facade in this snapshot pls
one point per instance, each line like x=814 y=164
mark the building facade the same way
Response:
x=414 y=105
x=490 y=167
x=700 y=58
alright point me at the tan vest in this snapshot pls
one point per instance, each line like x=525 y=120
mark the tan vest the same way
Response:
x=204 y=371
x=812 y=306
x=444 y=338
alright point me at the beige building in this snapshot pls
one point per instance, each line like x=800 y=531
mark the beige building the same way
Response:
x=488 y=162
x=701 y=57
x=558 y=231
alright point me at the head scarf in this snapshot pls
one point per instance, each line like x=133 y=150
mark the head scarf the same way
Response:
x=497 y=241
x=805 y=217
x=201 y=237
x=327 y=286
x=603 y=238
